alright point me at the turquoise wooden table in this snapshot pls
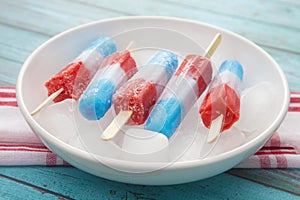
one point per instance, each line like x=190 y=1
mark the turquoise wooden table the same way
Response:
x=26 y=24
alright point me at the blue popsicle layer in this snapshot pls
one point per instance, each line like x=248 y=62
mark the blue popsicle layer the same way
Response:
x=167 y=59
x=233 y=66
x=97 y=99
x=165 y=116
x=104 y=45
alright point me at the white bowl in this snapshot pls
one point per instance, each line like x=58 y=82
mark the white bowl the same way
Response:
x=92 y=155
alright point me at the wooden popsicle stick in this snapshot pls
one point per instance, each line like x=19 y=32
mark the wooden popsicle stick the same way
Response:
x=122 y=117
x=213 y=46
x=131 y=45
x=212 y=137
x=46 y=101
x=215 y=129
x=114 y=127
x=216 y=124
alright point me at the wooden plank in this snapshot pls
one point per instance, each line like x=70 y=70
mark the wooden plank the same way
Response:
x=56 y=17
x=73 y=183
x=284 y=179
x=257 y=10
x=289 y=63
x=267 y=34
x=49 y=22
x=290 y=2
x=15 y=189
x=16 y=44
x=9 y=71
x=50 y=17
x=4 y=83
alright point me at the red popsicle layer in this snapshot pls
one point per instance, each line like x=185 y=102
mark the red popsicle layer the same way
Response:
x=138 y=96
x=66 y=78
x=202 y=75
x=125 y=60
x=220 y=100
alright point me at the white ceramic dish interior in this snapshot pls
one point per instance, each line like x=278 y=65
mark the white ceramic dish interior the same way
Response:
x=264 y=103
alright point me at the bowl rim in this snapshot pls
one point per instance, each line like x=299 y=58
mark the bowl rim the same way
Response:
x=258 y=140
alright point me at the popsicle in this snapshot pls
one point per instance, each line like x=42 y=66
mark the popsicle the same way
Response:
x=114 y=72
x=72 y=80
x=75 y=77
x=137 y=96
x=185 y=87
x=142 y=91
x=220 y=108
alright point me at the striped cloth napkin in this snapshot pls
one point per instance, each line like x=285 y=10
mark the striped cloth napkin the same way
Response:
x=20 y=146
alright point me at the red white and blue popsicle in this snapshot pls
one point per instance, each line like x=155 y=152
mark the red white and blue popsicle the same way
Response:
x=185 y=87
x=141 y=92
x=135 y=99
x=220 y=108
x=73 y=79
x=114 y=72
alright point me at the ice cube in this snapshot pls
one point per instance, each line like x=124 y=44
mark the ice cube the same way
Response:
x=140 y=141
x=256 y=105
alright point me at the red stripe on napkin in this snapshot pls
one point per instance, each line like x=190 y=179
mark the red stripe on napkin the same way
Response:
x=15 y=104
x=295 y=99
x=274 y=141
x=267 y=161
x=26 y=152
x=23 y=147
x=276 y=150
x=294 y=102
x=8 y=87
x=8 y=96
x=281 y=161
x=51 y=159
x=294 y=109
